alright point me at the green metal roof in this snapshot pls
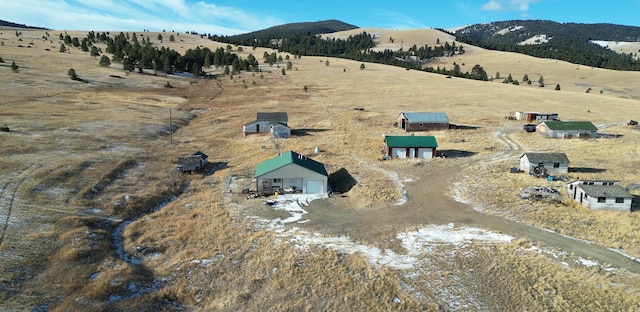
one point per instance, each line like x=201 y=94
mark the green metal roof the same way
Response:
x=289 y=157
x=411 y=141
x=571 y=125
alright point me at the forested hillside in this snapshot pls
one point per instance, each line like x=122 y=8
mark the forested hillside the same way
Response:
x=569 y=42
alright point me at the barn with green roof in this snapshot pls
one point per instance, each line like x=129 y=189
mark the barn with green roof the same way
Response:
x=567 y=129
x=409 y=146
x=291 y=172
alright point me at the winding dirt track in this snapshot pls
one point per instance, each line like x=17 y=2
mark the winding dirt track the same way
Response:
x=428 y=204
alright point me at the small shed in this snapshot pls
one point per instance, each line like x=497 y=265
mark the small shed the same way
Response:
x=411 y=121
x=291 y=172
x=534 y=116
x=280 y=130
x=193 y=162
x=263 y=122
x=600 y=195
x=539 y=164
x=410 y=146
x=567 y=129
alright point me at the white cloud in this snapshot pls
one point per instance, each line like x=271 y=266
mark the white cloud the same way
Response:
x=492 y=5
x=508 y=5
x=155 y=15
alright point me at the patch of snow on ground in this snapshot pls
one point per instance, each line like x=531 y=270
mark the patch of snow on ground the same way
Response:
x=416 y=242
x=538 y=39
x=612 y=44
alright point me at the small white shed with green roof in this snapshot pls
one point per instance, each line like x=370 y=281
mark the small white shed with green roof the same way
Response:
x=291 y=172
x=410 y=146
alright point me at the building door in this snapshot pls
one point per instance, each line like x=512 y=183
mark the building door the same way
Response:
x=314 y=187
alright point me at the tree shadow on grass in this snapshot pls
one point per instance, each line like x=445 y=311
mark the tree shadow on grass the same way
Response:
x=306 y=131
x=586 y=170
x=342 y=181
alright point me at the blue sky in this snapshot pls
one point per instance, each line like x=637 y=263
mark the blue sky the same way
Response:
x=229 y=17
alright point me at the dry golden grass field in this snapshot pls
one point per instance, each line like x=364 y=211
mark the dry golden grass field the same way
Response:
x=95 y=217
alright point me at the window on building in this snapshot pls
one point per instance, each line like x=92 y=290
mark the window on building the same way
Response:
x=602 y=199
x=421 y=125
x=556 y=165
x=619 y=200
x=277 y=180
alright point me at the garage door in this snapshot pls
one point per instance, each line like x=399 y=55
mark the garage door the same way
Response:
x=314 y=187
x=425 y=152
x=399 y=152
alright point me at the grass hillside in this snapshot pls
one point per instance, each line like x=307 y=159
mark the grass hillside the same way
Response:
x=96 y=217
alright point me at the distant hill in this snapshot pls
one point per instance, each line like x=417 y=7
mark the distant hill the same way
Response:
x=264 y=37
x=570 y=42
x=14 y=25
x=519 y=31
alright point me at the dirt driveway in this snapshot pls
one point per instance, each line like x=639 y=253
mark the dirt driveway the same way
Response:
x=428 y=203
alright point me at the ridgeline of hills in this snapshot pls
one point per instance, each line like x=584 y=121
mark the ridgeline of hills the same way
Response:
x=277 y=32
x=569 y=42
x=14 y=25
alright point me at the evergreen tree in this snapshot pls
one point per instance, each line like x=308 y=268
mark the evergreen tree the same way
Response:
x=72 y=73
x=525 y=78
x=63 y=48
x=94 y=51
x=104 y=61
x=541 y=82
x=478 y=73
x=14 y=67
x=497 y=75
x=289 y=65
x=160 y=37
x=362 y=67
x=558 y=87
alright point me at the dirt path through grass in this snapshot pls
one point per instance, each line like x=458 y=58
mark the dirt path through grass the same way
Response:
x=428 y=203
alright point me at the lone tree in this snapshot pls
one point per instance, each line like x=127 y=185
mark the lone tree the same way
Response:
x=63 y=48
x=541 y=82
x=362 y=67
x=72 y=73
x=558 y=87
x=14 y=67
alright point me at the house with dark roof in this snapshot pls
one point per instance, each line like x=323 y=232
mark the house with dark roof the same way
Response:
x=540 y=164
x=412 y=121
x=291 y=172
x=600 y=195
x=410 y=146
x=265 y=122
x=567 y=129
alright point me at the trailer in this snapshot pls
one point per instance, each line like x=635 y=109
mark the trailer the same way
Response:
x=192 y=163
